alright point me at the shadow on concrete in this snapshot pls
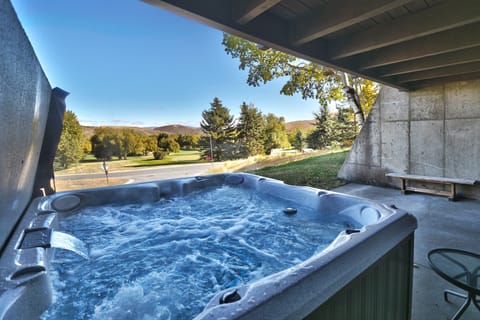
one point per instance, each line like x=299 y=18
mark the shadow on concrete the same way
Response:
x=441 y=223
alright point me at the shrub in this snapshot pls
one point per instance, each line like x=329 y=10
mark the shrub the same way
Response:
x=159 y=155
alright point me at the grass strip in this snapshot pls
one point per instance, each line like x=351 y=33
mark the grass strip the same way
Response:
x=318 y=172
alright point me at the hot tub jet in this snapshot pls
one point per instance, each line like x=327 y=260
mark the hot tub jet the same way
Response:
x=48 y=238
x=290 y=210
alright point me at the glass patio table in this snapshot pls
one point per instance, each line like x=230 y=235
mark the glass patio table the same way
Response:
x=462 y=269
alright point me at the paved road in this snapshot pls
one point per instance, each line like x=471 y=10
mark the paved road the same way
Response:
x=150 y=174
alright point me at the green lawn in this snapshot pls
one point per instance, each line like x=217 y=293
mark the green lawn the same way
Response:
x=319 y=172
x=92 y=165
x=182 y=157
x=316 y=171
x=89 y=158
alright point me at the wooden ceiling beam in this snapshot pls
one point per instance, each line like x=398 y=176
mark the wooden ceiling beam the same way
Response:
x=448 y=54
x=439 y=73
x=245 y=11
x=445 y=42
x=438 y=61
x=337 y=15
x=447 y=16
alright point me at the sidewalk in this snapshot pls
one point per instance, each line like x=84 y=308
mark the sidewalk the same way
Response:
x=441 y=223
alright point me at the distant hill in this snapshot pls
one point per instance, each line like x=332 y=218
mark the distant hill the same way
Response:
x=302 y=125
x=169 y=129
x=88 y=130
x=178 y=129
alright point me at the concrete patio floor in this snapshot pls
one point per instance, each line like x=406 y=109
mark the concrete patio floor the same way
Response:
x=441 y=223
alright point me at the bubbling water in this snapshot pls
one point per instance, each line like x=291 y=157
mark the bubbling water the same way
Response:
x=65 y=241
x=166 y=260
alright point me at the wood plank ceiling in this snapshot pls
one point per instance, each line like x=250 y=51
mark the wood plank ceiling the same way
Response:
x=403 y=43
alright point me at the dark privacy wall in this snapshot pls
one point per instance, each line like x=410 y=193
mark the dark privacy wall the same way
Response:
x=24 y=102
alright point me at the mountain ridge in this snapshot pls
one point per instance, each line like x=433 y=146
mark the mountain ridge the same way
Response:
x=172 y=129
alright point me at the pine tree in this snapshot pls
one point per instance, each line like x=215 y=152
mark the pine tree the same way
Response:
x=322 y=135
x=220 y=126
x=251 y=130
x=299 y=141
x=345 y=131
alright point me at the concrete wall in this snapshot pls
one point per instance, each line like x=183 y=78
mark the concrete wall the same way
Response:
x=24 y=101
x=434 y=131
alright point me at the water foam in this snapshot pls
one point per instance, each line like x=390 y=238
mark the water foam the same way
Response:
x=166 y=260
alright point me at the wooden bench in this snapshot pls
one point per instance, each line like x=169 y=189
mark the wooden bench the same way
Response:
x=435 y=180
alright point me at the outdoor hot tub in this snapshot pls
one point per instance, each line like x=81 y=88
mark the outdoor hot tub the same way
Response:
x=226 y=246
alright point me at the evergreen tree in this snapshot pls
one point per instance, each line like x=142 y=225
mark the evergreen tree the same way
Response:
x=344 y=131
x=299 y=141
x=220 y=126
x=332 y=130
x=322 y=135
x=70 y=146
x=251 y=130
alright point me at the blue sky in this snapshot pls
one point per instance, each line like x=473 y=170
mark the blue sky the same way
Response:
x=128 y=63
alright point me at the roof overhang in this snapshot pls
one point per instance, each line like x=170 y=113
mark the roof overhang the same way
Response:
x=401 y=43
